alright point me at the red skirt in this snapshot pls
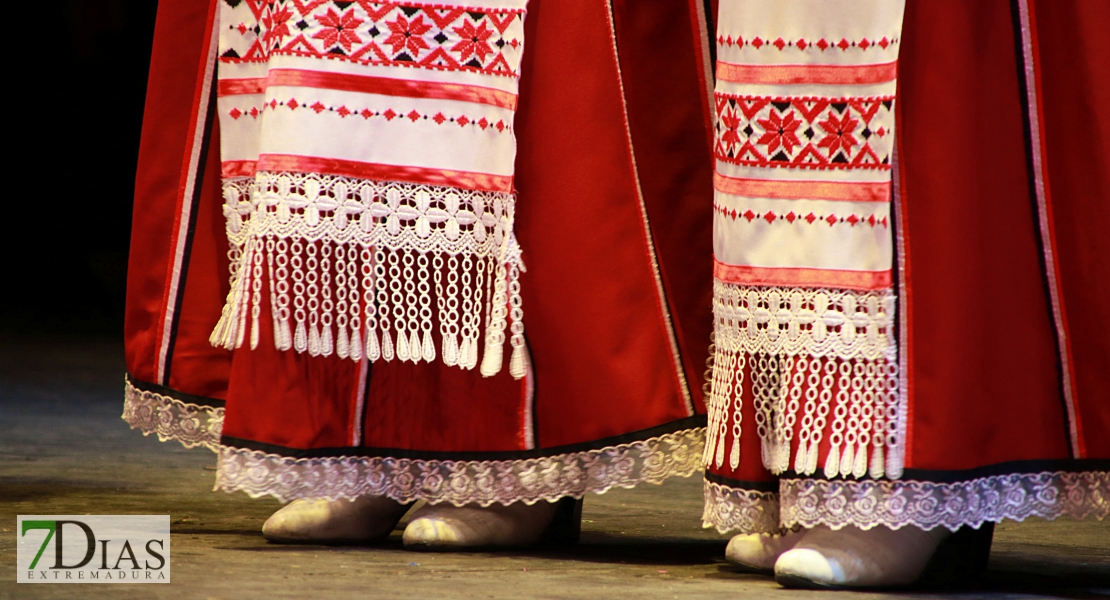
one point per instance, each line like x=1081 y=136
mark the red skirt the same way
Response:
x=1002 y=190
x=613 y=172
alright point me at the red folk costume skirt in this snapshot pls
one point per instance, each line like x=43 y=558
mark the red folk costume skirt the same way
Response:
x=942 y=359
x=611 y=178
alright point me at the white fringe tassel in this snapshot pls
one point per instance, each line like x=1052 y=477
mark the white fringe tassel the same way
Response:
x=824 y=357
x=386 y=294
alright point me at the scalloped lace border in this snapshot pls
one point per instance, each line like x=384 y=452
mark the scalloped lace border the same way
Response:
x=462 y=482
x=751 y=511
x=895 y=504
x=190 y=424
x=459 y=482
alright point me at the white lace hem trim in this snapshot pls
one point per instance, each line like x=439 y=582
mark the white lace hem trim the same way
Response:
x=895 y=504
x=190 y=424
x=357 y=267
x=462 y=482
x=727 y=509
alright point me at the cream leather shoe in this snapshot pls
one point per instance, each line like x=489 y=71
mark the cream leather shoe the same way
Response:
x=758 y=551
x=364 y=519
x=444 y=527
x=855 y=558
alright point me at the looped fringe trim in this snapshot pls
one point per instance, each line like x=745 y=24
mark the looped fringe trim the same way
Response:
x=895 y=504
x=361 y=268
x=190 y=424
x=461 y=482
x=824 y=360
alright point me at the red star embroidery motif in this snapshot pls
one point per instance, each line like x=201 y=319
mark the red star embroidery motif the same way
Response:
x=406 y=35
x=838 y=133
x=276 y=25
x=338 y=30
x=473 y=41
x=731 y=135
x=779 y=132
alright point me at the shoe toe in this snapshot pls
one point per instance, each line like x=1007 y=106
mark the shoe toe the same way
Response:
x=293 y=522
x=804 y=567
x=749 y=551
x=430 y=532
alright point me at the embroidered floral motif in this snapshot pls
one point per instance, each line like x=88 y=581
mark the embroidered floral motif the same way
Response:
x=462 y=482
x=810 y=133
x=730 y=509
x=410 y=34
x=172 y=419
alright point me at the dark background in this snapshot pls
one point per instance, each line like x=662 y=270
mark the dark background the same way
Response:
x=77 y=109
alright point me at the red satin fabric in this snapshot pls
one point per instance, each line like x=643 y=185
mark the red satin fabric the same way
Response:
x=172 y=101
x=1075 y=90
x=985 y=387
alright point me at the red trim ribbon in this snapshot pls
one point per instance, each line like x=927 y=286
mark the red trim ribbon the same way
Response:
x=367 y=84
x=788 y=74
x=803 y=277
x=851 y=191
x=362 y=170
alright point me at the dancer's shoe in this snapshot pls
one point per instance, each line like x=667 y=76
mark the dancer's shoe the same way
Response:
x=362 y=520
x=757 y=552
x=443 y=527
x=882 y=557
x=853 y=557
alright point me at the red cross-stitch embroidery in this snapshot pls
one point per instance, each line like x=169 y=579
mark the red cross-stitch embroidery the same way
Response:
x=819 y=45
x=389 y=114
x=790 y=217
x=379 y=33
x=814 y=133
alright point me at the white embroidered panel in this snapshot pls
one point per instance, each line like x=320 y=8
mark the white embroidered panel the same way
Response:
x=807 y=32
x=374 y=128
x=803 y=303
x=368 y=154
x=817 y=234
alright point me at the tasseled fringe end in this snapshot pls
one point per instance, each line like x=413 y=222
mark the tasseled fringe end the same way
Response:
x=800 y=399
x=797 y=402
x=358 y=301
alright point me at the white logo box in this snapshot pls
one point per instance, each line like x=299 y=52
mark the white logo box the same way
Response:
x=93 y=549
